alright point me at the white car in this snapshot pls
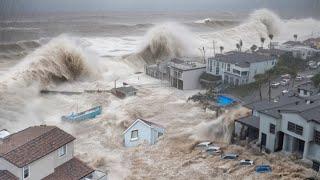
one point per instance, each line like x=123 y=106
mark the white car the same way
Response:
x=204 y=145
x=286 y=76
x=246 y=162
x=309 y=76
x=299 y=78
x=275 y=84
x=285 y=91
x=285 y=82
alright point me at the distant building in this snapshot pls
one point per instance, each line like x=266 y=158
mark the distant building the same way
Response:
x=124 y=91
x=289 y=124
x=181 y=73
x=272 y=52
x=299 y=49
x=238 y=68
x=307 y=89
x=313 y=42
x=140 y=131
x=41 y=152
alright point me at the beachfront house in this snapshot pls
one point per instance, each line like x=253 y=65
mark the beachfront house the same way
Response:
x=290 y=124
x=181 y=73
x=142 y=131
x=42 y=152
x=185 y=74
x=238 y=68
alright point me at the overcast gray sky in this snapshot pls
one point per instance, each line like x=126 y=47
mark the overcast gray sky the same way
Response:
x=303 y=7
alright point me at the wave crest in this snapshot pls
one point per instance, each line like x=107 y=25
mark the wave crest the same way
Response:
x=166 y=41
x=57 y=61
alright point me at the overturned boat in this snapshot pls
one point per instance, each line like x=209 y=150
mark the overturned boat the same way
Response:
x=88 y=114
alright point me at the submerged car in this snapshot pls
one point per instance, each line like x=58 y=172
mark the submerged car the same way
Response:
x=229 y=156
x=213 y=150
x=263 y=169
x=246 y=162
x=204 y=145
x=207 y=145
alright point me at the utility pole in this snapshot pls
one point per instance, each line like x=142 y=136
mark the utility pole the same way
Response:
x=204 y=55
x=269 y=87
x=214 y=48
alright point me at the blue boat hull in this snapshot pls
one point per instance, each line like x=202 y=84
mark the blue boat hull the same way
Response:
x=89 y=114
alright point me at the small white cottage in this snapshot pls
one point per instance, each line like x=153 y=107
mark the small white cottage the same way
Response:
x=142 y=130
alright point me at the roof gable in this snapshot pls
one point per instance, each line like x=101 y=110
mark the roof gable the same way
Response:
x=145 y=122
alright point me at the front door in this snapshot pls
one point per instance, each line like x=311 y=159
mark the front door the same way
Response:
x=280 y=141
x=263 y=140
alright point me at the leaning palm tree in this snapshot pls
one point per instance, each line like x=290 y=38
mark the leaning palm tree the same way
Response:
x=270 y=37
x=295 y=36
x=262 y=39
x=221 y=49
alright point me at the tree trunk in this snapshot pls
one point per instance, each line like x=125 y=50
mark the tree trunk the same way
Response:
x=260 y=89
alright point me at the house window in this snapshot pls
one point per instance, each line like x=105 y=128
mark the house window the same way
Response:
x=62 y=151
x=228 y=67
x=295 y=128
x=316 y=137
x=291 y=126
x=26 y=172
x=299 y=130
x=244 y=73
x=236 y=71
x=316 y=166
x=272 y=129
x=134 y=135
x=305 y=92
x=160 y=134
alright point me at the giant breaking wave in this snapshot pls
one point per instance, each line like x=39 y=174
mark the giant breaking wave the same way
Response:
x=58 y=61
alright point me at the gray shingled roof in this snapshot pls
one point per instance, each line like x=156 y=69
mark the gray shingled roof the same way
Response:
x=241 y=59
x=252 y=121
x=311 y=112
x=271 y=108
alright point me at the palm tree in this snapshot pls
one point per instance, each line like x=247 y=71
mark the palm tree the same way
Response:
x=221 y=49
x=262 y=39
x=295 y=36
x=270 y=37
x=241 y=44
x=238 y=46
x=260 y=79
x=254 y=48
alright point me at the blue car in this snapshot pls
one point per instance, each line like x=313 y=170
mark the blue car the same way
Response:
x=263 y=169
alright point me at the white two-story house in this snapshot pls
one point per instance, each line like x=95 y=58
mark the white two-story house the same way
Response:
x=41 y=152
x=238 y=68
x=290 y=124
